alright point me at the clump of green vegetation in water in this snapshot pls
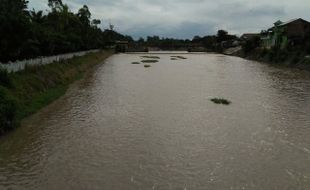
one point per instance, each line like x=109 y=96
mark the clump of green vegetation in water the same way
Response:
x=173 y=59
x=220 y=101
x=149 y=61
x=150 y=57
x=178 y=57
x=135 y=63
x=147 y=66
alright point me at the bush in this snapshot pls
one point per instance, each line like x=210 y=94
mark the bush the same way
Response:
x=296 y=59
x=4 y=78
x=7 y=112
x=264 y=52
x=251 y=44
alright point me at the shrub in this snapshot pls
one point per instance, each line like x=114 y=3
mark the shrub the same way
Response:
x=4 y=78
x=7 y=112
x=251 y=44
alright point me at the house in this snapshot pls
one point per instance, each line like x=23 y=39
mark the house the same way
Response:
x=285 y=34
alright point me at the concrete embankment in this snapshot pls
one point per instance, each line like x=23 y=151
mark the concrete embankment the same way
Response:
x=25 y=92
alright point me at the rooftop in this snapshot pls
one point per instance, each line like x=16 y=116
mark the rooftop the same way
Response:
x=293 y=20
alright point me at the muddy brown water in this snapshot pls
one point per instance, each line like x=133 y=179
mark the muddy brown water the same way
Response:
x=126 y=127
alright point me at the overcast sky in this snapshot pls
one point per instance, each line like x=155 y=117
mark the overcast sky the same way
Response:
x=186 y=18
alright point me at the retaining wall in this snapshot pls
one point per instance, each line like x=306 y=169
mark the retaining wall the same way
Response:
x=21 y=65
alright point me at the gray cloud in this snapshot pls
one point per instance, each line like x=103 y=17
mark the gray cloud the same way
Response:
x=184 y=18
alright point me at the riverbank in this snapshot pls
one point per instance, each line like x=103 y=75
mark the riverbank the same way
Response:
x=25 y=92
x=294 y=59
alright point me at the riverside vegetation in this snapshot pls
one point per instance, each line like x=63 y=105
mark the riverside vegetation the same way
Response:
x=25 y=92
x=28 y=33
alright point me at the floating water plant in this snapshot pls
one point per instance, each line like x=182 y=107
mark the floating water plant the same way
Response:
x=220 y=101
x=178 y=57
x=150 y=57
x=147 y=66
x=149 y=61
x=135 y=63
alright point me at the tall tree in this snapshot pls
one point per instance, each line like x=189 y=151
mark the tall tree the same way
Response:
x=221 y=35
x=14 y=28
x=84 y=15
x=55 y=5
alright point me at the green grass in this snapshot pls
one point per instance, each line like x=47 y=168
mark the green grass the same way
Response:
x=147 y=66
x=37 y=86
x=220 y=101
x=149 y=61
x=135 y=63
x=150 y=57
x=39 y=101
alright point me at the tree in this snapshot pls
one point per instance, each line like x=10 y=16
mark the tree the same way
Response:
x=28 y=34
x=141 y=40
x=221 y=35
x=14 y=28
x=55 y=5
x=84 y=15
x=196 y=39
x=96 y=22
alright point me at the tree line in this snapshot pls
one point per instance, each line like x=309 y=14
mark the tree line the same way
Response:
x=210 y=42
x=28 y=33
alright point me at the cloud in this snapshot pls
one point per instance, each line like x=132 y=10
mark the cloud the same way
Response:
x=184 y=18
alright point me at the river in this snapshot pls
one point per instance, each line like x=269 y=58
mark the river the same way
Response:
x=126 y=127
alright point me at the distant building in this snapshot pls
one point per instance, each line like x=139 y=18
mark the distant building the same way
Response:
x=283 y=34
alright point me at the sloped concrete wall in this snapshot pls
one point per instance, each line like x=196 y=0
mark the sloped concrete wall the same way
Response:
x=21 y=65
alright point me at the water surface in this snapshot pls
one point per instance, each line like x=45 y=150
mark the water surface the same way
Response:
x=126 y=127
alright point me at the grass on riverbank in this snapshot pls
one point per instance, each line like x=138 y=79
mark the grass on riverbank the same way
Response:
x=25 y=92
